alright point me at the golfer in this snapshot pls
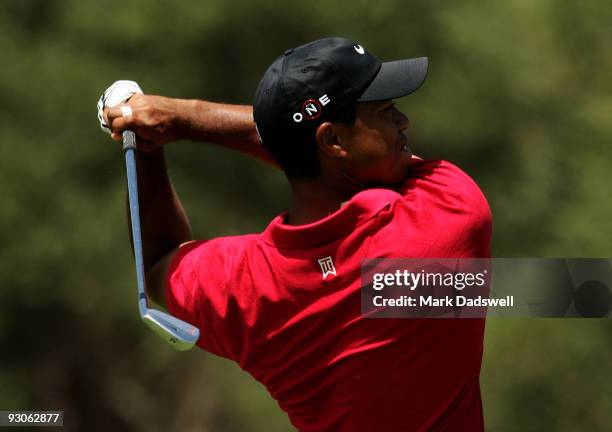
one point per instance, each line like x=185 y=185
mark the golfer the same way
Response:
x=285 y=303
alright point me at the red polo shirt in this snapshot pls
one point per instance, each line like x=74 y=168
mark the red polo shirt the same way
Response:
x=262 y=301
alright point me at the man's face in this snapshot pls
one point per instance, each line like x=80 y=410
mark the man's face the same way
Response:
x=378 y=151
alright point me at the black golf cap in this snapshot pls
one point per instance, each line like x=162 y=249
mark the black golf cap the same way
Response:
x=312 y=83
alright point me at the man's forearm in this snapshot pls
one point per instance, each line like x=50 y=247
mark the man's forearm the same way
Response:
x=164 y=223
x=230 y=126
x=158 y=120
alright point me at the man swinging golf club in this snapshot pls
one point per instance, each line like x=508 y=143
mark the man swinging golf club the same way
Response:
x=285 y=303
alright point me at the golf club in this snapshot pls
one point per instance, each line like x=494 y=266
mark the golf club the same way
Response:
x=181 y=335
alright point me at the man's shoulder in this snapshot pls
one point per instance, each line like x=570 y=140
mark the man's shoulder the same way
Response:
x=220 y=247
x=234 y=241
x=214 y=260
x=440 y=178
x=427 y=168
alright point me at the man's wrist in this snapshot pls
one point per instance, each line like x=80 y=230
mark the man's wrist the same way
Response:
x=155 y=156
x=152 y=171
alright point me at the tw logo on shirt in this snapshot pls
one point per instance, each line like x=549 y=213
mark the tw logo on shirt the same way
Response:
x=327 y=266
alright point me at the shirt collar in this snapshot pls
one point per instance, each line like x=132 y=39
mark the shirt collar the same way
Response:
x=361 y=207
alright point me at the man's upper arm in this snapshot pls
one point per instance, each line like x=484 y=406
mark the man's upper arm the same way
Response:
x=191 y=282
x=157 y=275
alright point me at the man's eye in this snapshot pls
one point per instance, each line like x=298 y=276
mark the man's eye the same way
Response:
x=389 y=110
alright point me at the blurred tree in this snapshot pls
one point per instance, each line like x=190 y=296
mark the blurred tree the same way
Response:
x=518 y=94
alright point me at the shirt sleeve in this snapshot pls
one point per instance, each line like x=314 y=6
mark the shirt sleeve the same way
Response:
x=451 y=205
x=448 y=184
x=197 y=291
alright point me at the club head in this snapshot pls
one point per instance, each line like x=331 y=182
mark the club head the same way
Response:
x=181 y=335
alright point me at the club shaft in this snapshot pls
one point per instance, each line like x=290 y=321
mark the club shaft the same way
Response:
x=129 y=146
x=179 y=334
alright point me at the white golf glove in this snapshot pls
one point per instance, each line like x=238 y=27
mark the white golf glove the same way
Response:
x=116 y=94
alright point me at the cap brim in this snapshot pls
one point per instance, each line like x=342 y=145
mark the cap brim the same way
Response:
x=396 y=79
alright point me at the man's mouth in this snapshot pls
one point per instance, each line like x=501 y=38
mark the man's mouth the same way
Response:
x=403 y=141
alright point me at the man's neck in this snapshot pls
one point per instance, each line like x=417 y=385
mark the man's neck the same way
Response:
x=315 y=199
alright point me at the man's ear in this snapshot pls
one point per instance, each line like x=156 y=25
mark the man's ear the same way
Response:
x=329 y=142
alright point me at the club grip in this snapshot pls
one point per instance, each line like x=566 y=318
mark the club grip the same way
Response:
x=129 y=140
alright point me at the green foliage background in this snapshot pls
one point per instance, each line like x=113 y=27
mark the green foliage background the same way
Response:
x=519 y=94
